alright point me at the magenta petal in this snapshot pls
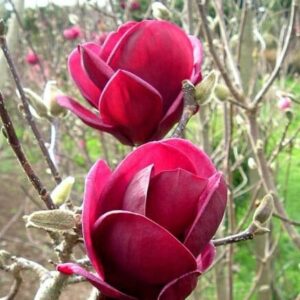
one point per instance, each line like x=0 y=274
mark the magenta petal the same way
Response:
x=137 y=253
x=113 y=38
x=97 y=70
x=180 y=288
x=87 y=88
x=94 y=184
x=205 y=259
x=136 y=193
x=132 y=105
x=198 y=58
x=202 y=163
x=173 y=198
x=160 y=53
x=90 y=118
x=98 y=282
x=211 y=209
x=163 y=156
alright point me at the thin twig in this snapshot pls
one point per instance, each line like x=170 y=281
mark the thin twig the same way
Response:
x=231 y=62
x=259 y=96
x=267 y=176
x=239 y=97
x=27 y=112
x=27 y=38
x=279 y=146
x=284 y=219
x=235 y=238
x=17 y=148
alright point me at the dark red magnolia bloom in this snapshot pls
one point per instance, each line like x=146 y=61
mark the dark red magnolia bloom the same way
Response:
x=72 y=33
x=134 y=79
x=148 y=224
x=31 y=58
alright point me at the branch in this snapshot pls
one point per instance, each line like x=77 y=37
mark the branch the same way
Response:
x=28 y=115
x=285 y=219
x=17 y=148
x=267 y=176
x=189 y=109
x=235 y=238
x=259 y=96
x=27 y=38
x=235 y=93
x=231 y=62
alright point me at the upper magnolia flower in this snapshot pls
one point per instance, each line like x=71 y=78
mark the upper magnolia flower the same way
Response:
x=32 y=58
x=148 y=224
x=72 y=33
x=134 y=79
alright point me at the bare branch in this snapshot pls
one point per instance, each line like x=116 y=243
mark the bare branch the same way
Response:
x=17 y=148
x=259 y=96
x=238 y=96
x=28 y=115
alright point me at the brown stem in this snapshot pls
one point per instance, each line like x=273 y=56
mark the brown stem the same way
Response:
x=17 y=148
x=259 y=96
x=235 y=238
x=235 y=93
x=26 y=108
x=230 y=209
x=266 y=175
x=27 y=38
x=189 y=109
x=284 y=219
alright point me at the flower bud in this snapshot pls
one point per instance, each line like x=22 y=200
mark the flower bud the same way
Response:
x=56 y=220
x=160 y=12
x=284 y=104
x=4 y=256
x=289 y=114
x=49 y=98
x=252 y=163
x=62 y=192
x=32 y=58
x=36 y=103
x=222 y=92
x=203 y=90
x=264 y=211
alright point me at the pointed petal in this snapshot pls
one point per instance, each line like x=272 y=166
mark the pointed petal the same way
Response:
x=206 y=258
x=137 y=253
x=198 y=58
x=94 y=184
x=163 y=156
x=97 y=70
x=113 y=38
x=149 y=46
x=180 y=288
x=98 y=282
x=202 y=163
x=173 y=198
x=90 y=118
x=211 y=209
x=87 y=88
x=136 y=193
x=132 y=105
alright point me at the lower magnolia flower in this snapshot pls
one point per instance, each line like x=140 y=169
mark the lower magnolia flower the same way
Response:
x=148 y=224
